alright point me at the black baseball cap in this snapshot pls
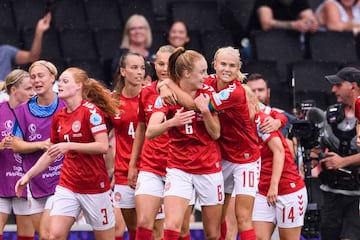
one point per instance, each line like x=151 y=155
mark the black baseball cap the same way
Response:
x=349 y=74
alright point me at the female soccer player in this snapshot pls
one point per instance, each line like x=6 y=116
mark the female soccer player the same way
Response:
x=132 y=72
x=238 y=142
x=79 y=132
x=194 y=159
x=282 y=197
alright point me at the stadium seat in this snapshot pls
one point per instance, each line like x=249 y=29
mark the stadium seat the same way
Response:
x=142 y=7
x=332 y=46
x=213 y=40
x=27 y=13
x=77 y=44
x=237 y=13
x=266 y=68
x=198 y=15
x=159 y=39
x=69 y=14
x=7 y=19
x=107 y=41
x=281 y=46
x=50 y=44
x=195 y=41
x=60 y=64
x=93 y=68
x=310 y=82
x=281 y=96
x=10 y=36
x=103 y=14
x=160 y=8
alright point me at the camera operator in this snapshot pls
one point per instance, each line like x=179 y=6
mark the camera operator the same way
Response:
x=340 y=178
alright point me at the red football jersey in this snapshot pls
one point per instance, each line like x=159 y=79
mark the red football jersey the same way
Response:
x=238 y=141
x=191 y=148
x=276 y=115
x=81 y=172
x=290 y=180
x=154 y=153
x=124 y=128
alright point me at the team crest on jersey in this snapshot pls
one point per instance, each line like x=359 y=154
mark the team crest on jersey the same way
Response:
x=76 y=126
x=95 y=119
x=158 y=102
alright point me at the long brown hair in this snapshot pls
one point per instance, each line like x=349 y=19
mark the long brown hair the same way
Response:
x=120 y=81
x=94 y=92
x=181 y=60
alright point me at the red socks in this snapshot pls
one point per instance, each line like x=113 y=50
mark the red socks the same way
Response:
x=223 y=230
x=248 y=235
x=143 y=233
x=118 y=238
x=187 y=237
x=24 y=238
x=171 y=235
x=132 y=235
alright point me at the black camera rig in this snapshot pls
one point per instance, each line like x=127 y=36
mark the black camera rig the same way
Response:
x=308 y=135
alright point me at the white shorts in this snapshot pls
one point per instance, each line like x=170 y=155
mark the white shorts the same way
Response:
x=97 y=208
x=209 y=187
x=19 y=206
x=150 y=184
x=241 y=178
x=123 y=196
x=288 y=212
x=37 y=205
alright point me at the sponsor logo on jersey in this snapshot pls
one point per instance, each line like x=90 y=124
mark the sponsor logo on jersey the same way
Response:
x=217 y=164
x=8 y=128
x=98 y=128
x=117 y=116
x=149 y=108
x=18 y=157
x=32 y=130
x=76 y=126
